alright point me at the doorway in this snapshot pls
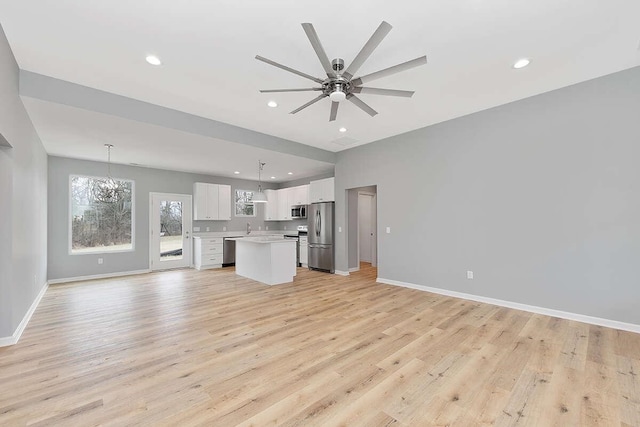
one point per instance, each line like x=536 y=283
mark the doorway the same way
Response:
x=170 y=231
x=366 y=228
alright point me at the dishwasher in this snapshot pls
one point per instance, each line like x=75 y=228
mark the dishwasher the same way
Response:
x=229 y=251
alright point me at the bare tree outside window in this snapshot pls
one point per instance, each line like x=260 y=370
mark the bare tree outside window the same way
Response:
x=101 y=214
x=244 y=203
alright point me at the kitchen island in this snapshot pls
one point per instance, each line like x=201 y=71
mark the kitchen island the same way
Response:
x=267 y=259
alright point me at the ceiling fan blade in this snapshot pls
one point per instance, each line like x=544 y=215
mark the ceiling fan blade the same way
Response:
x=334 y=111
x=390 y=71
x=387 y=92
x=289 y=90
x=313 y=101
x=367 y=49
x=360 y=104
x=289 y=69
x=317 y=46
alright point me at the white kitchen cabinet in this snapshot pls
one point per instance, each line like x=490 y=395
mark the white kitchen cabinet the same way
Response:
x=211 y=201
x=284 y=207
x=299 y=195
x=304 y=251
x=271 y=210
x=322 y=190
x=207 y=252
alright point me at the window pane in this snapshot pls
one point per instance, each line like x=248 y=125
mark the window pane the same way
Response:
x=244 y=203
x=101 y=214
x=170 y=230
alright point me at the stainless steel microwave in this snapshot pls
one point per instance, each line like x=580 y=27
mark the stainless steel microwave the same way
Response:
x=299 y=212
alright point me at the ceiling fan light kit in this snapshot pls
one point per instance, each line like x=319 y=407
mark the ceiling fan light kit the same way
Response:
x=339 y=85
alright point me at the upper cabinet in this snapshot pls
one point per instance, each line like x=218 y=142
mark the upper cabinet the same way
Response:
x=271 y=210
x=322 y=190
x=279 y=202
x=284 y=204
x=211 y=201
x=299 y=195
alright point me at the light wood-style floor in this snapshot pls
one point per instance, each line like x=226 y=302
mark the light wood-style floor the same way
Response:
x=210 y=348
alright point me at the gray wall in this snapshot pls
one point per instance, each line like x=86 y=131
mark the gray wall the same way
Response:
x=23 y=189
x=540 y=198
x=63 y=265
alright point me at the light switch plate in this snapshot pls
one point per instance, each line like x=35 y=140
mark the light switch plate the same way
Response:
x=388 y=230
x=339 y=229
x=469 y=274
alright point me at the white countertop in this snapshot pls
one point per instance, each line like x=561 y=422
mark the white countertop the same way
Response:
x=243 y=233
x=263 y=239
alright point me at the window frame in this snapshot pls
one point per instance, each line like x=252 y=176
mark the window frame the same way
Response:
x=235 y=204
x=70 y=217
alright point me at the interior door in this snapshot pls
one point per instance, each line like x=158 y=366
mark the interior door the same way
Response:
x=170 y=234
x=365 y=227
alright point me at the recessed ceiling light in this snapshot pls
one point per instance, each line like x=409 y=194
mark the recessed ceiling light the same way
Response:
x=521 y=63
x=237 y=172
x=342 y=130
x=273 y=177
x=272 y=104
x=153 y=60
x=289 y=173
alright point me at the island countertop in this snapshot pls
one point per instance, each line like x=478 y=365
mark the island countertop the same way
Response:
x=260 y=239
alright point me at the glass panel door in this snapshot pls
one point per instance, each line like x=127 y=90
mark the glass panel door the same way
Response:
x=170 y=231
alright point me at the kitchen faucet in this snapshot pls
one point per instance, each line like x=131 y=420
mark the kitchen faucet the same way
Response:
x=248 y=228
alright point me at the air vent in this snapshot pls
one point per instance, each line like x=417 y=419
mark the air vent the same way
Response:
x=345 y=141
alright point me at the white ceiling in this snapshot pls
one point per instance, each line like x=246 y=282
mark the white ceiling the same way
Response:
x=208 y=49
x=159 y=147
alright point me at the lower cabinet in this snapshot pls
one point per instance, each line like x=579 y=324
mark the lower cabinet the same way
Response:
x=207 y=252
x=304 y=251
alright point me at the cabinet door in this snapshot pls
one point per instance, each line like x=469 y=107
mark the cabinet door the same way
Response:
x=315 y=191
x=212 y=201
x=271 y=210
x=304 y=194
x=224 y=202
x=284 y=208
x=199 y=201
x=328 y=190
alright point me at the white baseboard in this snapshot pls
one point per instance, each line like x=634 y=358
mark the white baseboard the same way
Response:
x=341 y=273
x=352 y=269
x=631 y=327
x=97 y=276
x=13 y=339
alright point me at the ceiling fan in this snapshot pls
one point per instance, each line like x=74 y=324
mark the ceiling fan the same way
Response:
x=340 y=85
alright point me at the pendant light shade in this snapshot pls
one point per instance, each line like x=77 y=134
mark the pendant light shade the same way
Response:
x=259 y=196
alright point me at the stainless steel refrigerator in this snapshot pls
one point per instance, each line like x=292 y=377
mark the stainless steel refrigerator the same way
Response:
x=320 y=236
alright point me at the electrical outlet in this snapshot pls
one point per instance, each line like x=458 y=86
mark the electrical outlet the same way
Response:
x=224 y=228
x=259 y=228
x=266 y=228
x=100 y=261
x=388 y=230
x=208 y=228
x=196 y=229
x=469 y=274
x=285 y=227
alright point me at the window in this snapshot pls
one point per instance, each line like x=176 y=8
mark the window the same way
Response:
x=101 y=212
x=244 y=203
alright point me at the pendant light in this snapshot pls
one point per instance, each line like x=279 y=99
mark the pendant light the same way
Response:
x=109 y=187
x=259 y=196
